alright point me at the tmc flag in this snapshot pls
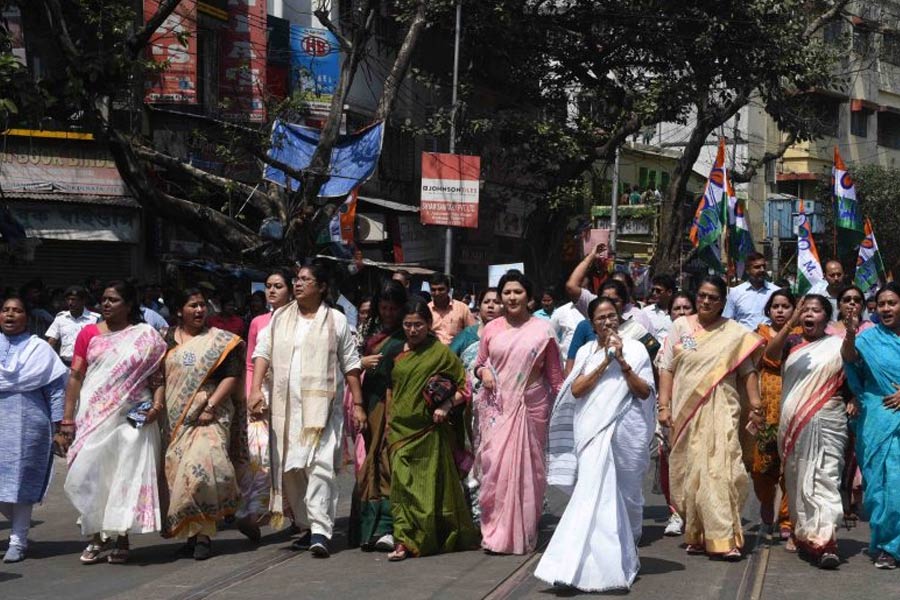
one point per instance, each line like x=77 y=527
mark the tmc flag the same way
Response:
x=868 y=262
x=809 y=268
x=740 y=240
x=848 y=216
x=706 y=228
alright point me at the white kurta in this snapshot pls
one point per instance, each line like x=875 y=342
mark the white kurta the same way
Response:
x=310 y=484
x=594 y=547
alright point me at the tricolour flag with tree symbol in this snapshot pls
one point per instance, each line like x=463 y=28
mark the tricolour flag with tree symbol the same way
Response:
x=869 y=267
x=706 y=228
x=740 y=241
x=809 y=268
x=848 y=216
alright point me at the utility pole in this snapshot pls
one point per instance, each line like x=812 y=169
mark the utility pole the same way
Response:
x=614 y=213
x=448 y=243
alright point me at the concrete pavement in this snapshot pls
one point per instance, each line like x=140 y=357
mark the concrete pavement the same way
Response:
x=240 y=569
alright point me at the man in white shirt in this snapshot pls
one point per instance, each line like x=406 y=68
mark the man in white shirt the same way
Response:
x=564 y=320
x=662 y=287
x=69 y=323
x=747 y=302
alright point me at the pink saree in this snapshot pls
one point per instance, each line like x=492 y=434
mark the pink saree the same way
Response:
x=513 y=421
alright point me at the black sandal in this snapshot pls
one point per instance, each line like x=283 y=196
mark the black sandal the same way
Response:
x=202 y=549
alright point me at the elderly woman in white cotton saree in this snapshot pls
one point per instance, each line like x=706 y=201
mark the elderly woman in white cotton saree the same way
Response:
x=599 y=452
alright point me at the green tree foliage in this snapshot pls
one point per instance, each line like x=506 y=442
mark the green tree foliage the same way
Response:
x=581 y=76
x=879 y=197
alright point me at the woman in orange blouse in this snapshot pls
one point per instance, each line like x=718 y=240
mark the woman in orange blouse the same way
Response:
x=766 y=469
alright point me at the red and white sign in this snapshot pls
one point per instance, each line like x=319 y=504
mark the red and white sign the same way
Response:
x=243 y=61
x=174 y=46
x=450 y=189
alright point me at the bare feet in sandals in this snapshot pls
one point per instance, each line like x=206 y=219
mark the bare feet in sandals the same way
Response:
x=400 y=553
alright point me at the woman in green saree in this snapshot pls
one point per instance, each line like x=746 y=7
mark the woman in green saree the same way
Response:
x=371 y=524
x=428 y=504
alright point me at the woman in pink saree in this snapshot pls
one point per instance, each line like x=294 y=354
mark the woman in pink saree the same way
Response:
x=519 y=365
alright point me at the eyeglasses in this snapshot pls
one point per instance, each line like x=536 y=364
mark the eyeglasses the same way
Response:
x=853 y=299
x=606 y=318
x=303 y=280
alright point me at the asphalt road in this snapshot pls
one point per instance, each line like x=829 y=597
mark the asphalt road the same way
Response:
x=270 y=570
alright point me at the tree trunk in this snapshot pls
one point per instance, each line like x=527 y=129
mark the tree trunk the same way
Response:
x=401 y=65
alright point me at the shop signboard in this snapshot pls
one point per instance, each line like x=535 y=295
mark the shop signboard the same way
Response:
x=174 y=48
x=243 y=61
x=315 y=64
x=44 y=166
x=450 y=189
x=58 y=221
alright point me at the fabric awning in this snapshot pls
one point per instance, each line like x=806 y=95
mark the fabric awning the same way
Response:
x=389 y=204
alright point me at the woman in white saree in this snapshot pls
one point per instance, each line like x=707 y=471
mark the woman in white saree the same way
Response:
x=115 y=456
x=812 y=434
x=599 y=452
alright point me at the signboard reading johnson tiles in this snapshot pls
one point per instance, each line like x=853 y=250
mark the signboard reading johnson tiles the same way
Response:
x=450 y=185
x=173 y=45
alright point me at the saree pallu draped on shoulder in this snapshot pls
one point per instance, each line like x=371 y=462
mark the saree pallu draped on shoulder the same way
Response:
x=428 y=505
x=311 y=392
x=706 y=433
x=200 y=459
x=513 y=421
x=812 y=436
x=878 y=434
x=113 y=467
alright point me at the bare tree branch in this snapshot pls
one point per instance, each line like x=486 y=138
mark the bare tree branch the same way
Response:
x=753 y=166
x=401 y=64
x=58 y=25
x=258 y=198
x=823 y=19
x=139 y=39
x=322 y=14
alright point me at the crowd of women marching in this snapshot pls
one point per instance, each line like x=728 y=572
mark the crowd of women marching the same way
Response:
x=454 y=444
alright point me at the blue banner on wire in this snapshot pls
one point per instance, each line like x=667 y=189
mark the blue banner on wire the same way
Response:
x=353 y=158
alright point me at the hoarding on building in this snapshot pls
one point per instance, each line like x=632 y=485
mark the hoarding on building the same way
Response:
x=450 y=188
x=174 y=48
x=243 y=62
x=315 y=64
x=44 y=166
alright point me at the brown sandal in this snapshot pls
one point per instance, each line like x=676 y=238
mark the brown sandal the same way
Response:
x=400 y=552
x=119 y=555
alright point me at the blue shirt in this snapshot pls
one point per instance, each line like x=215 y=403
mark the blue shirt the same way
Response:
x=584 y=333
x=746 y=304
x=154 y=319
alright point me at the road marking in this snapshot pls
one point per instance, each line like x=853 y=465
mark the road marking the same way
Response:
x=506 y=587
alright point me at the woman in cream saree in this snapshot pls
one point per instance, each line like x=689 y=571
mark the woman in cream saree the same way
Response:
x=812 y=434
x=207 y=431
x=706 y=363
